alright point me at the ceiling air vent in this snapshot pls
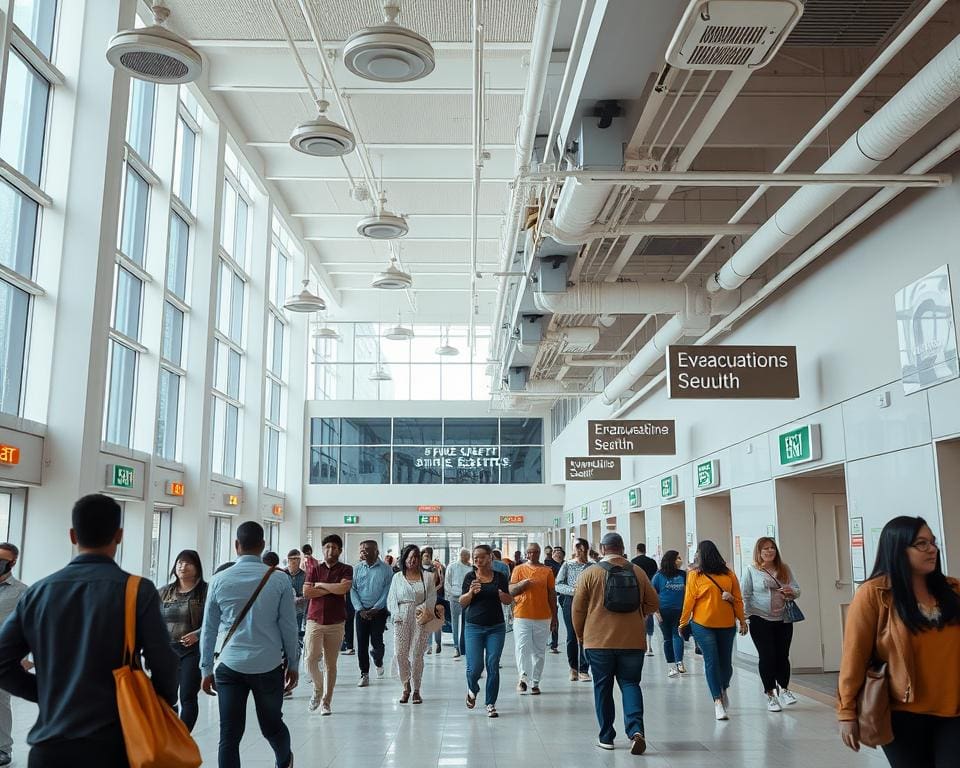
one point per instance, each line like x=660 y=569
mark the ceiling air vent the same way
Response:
x=849 y=23
x=155 y=53
x=732 y=34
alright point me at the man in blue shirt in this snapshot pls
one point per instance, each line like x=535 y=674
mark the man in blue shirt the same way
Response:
x=251 y=662
x=368 y=594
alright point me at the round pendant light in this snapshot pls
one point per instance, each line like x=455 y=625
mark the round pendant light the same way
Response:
x=325 y=333
x=155 y=53
x=322 y=137
x=380 y=374
x=392 y=278
x=383 y=225
x=398 y=332
x=446 y=349
x=388 y=52
x=305 y=301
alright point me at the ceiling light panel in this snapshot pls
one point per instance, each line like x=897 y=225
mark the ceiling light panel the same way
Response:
x=437 y=20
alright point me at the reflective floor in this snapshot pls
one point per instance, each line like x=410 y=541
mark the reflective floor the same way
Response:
x=369 y=729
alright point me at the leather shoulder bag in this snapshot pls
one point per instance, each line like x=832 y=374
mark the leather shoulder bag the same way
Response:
x=791 y=611
x=430 y=622
x=873 y=701
x=245 y=610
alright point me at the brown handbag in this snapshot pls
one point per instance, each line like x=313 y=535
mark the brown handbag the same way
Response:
x=873 y=707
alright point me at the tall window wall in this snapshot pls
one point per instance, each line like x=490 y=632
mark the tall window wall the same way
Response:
x=229 y=336
x=30 y=78
x=342 y=370
x=282 y=251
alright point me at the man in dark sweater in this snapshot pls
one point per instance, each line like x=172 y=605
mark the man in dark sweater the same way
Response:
x=72 y=622
x=649 y=566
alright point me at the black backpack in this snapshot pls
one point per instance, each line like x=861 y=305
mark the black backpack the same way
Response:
x=621 y=593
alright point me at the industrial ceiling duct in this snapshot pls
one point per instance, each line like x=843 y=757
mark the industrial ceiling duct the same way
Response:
x=392 y=278
x=383 y=225
x=155 y=53
x=388 y=52
x=322 y=137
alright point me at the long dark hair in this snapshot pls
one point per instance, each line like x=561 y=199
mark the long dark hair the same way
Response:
x=709 y=559
x=894 y=563
x=668 y=563
x=188 y=556
x=405 y=552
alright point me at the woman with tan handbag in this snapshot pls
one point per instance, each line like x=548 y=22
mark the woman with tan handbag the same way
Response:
x=899 y=684
x=411 y=603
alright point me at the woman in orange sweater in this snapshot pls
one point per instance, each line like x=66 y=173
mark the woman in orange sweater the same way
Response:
x=907 y=615
x=712 y=606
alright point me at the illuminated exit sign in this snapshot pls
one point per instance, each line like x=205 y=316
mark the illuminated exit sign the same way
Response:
x=429 y=519
x=173 y=488
x=231 y=500
x=119 y=476
x=351 y=519
x=511 y=519
x=9 y=455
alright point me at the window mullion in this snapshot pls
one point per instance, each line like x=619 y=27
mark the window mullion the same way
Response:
x=34 y=56
x=24 y=185
x=140 y=166
x=19 y=281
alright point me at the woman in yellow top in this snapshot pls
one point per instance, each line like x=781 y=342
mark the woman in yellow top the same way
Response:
x=712 y=606
x=906 y=614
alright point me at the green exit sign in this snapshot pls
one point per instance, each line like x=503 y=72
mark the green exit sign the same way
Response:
x=429 y=519
x=584 y=513
x=351 y=519
x=633 y=498
x=556 y=522
x=799 y=445
x=569 y=518
x=119 y=476
x=668 y=487
x=708 y=474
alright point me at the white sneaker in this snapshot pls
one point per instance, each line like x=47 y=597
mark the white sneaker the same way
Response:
x=650 y=652
x=720 y=711
x=786 y=697
x=314 y=704
x=380 y=671
x=673 y=672
x=325 y=709
x=773 y=705
x=583 y=677
x=604 y=745
x=680 y=668
x=364 y=681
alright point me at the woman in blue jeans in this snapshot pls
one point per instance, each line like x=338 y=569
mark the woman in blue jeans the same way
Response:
x=712 y=606
x=670 y=583
x=485 y=592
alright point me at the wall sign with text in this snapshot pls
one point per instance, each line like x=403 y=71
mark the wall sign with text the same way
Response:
x=708 y=474
x=632 y=438
x=732 y=372
x=799 y=445
x=592 y=468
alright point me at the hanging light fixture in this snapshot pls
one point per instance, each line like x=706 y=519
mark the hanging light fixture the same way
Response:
x=398 y=332
x=155 y=53
x=305 y=301
x=446 y=349
x=392 y=278
x=383 y=225
x=388 y=52
x=379 y=373
x=321 y=137
x=325 y=333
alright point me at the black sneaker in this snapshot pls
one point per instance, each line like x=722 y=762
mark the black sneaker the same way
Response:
x=639 y=744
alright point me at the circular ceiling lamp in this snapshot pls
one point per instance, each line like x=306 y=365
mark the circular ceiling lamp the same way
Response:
x=379 y=374
x=325 y=333
x=305 y=301
x=392 y=278
x=383 y=225
x=446 y=349
x=155 y=53
x=387 y=52
x=322 y=137
x=398 y=332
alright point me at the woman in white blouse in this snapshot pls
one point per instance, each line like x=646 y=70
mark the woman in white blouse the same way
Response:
x=409 y=590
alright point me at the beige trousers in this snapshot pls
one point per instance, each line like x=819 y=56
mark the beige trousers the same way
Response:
x=321 y=643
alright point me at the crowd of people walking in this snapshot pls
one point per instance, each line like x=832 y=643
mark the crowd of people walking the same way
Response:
x=241 y=634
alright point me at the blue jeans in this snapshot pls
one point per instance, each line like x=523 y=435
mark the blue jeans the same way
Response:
x=576 y=658
x=717 y=646
x=672 y=642
x=626 y=666
x=649 y=622
x=232 y=690
x=482 y=640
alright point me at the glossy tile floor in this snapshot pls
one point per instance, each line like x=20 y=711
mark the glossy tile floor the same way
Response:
x=369 y=729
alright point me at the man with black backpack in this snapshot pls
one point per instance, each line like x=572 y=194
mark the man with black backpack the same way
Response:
x=609 y=609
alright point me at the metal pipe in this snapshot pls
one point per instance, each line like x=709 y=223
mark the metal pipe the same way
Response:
x=743 y=179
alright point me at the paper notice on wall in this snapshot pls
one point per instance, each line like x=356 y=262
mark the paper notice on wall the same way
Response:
x=858 y=554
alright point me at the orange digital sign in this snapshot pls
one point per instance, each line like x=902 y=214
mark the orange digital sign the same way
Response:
x=429 y=508
x=511 y=519
x=231 y=500
x=174 y=488
x=9 y=454
x=277 y=510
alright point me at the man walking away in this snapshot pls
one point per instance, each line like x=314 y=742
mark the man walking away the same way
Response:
x=10 y=591
x=534 y=617
x=328 y=582
x=649 y=566
x=298 y=577
x=609 y=606
x=453 y=587
x=256 y=603
x=368 y=594
x=72 y=622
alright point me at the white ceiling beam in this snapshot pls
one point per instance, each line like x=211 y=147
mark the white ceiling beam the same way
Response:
x=361 y=91
x=466 y=45
x=358 y=238
x=411 y=216
x=410 y=146
x=417 y=289
x=423 y=179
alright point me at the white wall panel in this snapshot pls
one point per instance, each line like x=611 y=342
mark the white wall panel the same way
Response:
x=870 y=429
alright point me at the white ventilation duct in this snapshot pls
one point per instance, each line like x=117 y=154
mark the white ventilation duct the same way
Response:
x=928 y=93
x=574 y=341
x=577 y=210
x=615 y=299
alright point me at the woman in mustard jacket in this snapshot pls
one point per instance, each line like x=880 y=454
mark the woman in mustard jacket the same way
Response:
x=908 y=615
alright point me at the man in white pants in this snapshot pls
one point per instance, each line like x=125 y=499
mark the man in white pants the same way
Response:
x=453 y=587
x=534 y=617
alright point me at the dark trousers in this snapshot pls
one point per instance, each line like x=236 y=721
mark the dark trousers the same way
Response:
x=347 y=644
x=649 y=626
x=672 y=642
x=717 y=646
x=188 y=673
x=576 y=658
x=79 y=752
x=484 y=646
x=922 y=741
x=626 y=667
x=555 y=639
x=233 y=689
x=772 y=639
x=370 y=633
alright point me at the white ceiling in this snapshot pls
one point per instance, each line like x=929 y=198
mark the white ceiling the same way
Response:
x=418 y=137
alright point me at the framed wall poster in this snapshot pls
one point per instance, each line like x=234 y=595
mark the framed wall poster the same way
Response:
x=926 y=331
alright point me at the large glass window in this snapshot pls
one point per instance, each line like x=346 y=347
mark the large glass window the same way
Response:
x=226 y=418
x=233 y=232
x=271 y=459
x=14 y=315
x=168 y=412
x=160 y=546
x=126 y=313
x=220 y=529
x=140 y=117
x=178 y=250
x=230 y=299
x=18 y=230
x=120 y=394
x=24 y=117
x=172 y=338
x=410 y=451
x=37 y=20
x=183 y=169
x=133 y=229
